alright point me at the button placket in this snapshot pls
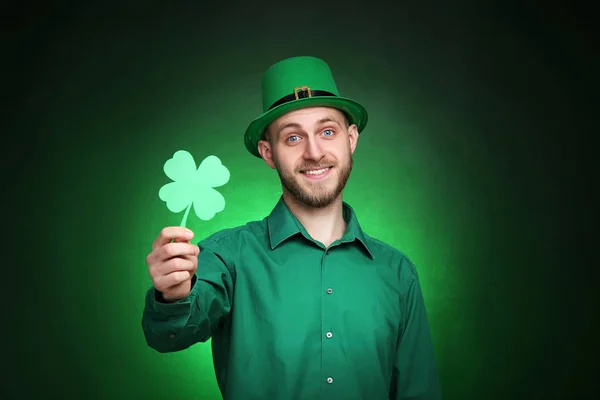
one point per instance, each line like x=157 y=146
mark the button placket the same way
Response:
x=329 y=352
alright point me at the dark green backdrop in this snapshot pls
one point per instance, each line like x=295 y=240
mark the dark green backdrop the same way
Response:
x=467 y=165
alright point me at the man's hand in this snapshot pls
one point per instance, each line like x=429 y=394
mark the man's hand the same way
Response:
x=173 y=262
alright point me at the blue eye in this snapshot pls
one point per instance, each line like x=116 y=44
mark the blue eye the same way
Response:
x=288 y=139
x=328 y=130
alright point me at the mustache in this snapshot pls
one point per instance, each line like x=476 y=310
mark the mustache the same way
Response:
x=315 y=166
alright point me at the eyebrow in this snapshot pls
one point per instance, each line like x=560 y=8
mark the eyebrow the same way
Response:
x=290 y=125
x=328 y=119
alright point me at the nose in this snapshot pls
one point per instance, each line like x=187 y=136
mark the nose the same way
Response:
x=313 y=150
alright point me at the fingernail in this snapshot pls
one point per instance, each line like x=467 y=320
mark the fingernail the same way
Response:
x=189 y=234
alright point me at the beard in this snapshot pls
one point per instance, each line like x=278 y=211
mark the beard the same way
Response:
x=317 y=195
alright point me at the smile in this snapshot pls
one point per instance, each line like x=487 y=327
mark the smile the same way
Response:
x=316 y=173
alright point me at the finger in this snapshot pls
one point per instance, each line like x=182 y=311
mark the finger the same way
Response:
x=165 y=282
x=187 y=263
x=172 y=233
x=171 y=250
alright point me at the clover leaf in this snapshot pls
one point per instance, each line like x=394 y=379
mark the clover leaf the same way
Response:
x=193 y=186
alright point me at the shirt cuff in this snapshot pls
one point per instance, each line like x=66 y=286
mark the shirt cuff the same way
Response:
x=161 y=306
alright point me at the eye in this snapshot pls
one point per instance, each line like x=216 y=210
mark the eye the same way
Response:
x=326 y=131
x=289 y=139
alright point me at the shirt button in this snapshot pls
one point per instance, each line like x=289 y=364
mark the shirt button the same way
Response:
x=330 y=380
x=329 y=290
x=329 y=335
x=172 y=335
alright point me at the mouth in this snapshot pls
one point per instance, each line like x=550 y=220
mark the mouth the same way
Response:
x=316 y=173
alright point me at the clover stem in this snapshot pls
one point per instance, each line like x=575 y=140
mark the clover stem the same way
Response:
x=185 y=216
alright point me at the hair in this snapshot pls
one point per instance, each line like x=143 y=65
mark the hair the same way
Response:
x=267 y=135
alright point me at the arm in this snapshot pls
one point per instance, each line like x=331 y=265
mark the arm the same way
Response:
x=415 y=375
x=170 y=327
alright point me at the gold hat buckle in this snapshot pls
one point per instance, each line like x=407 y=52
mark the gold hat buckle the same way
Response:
x=303 y=89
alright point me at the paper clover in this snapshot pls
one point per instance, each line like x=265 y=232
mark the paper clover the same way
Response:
x=193 y=186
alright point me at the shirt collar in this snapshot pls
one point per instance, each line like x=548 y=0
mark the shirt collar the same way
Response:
x=282 y=225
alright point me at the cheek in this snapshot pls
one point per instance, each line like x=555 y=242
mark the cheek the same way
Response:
x=284 y=162
x=341 y=153
x=289 y=156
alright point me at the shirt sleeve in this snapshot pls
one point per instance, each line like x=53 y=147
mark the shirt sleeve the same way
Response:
x=415 y=374
x=170 y=327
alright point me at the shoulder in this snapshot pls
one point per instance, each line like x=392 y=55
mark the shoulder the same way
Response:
x=392 y=256
x=235 y=236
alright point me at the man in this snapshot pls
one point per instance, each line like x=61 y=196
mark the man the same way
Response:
x=303 y=304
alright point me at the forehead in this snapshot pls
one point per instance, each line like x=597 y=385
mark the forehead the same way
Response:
x=309 y=116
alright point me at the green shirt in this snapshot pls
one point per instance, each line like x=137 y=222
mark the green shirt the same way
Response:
x=292 y=319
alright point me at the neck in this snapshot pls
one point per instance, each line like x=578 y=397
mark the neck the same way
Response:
x=325 y=225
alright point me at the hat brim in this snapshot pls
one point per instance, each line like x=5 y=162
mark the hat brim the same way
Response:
x=356 y=115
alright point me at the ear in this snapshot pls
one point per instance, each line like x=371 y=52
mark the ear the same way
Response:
x=352 y=137
x=266 y=152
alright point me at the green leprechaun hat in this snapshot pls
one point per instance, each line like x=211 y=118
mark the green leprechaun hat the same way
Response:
x=295 y=83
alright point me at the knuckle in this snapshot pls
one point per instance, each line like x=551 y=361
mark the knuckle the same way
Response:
x=177 y=263
x=168 y=249
x=183 y=264
x=156 y=283
x=152 y=270
x=179 y=276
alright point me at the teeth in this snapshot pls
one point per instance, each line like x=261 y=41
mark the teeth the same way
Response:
x=317 y=172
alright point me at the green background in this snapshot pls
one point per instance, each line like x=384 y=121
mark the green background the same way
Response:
x=469 y=165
